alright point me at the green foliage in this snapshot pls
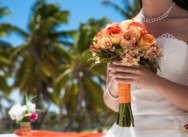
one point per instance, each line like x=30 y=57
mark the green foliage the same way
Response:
x=5 y=64
x=80 y=85
x=3 y=11
x=37 y=59
x=6 y=29
x=5 y=52
x=46 y=17
x=129 y=11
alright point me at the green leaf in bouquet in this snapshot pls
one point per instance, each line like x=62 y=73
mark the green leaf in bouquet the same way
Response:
x=119 y=51
x=94 y=40
x=149 y=64
x=105 y=53
x=105 y=60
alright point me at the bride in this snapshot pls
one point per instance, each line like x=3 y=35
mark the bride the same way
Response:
x=159 y=102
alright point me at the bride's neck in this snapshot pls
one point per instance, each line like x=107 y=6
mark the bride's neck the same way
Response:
x=155 y=8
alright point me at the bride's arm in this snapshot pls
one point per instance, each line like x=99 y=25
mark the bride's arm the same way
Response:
x=111 y=102
x=177 y=94
x=111 y=93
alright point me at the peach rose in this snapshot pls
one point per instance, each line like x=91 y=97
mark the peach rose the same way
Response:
x=125 y=24
x=114 y=32
x=101 y=33
x=153 y=52
x=147 y=41
x=105 y=43
x=128 y=38
x=102 y=40
x=94 y=48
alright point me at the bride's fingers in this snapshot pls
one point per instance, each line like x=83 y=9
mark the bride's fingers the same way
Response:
x=126 y=81
x=122 y=75
x=123 y=68
x=117 y=63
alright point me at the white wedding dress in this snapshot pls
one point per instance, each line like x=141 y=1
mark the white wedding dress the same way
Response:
x=154 y=115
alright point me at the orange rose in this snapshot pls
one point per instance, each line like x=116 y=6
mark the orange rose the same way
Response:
x=128 y=38
x=138 y=28
x=114 y=32
x=146 y=41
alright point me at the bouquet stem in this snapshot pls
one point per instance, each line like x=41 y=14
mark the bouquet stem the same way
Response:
x=125 y=116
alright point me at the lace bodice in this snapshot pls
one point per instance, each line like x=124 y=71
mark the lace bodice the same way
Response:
x=174 y=60
x=174 y=67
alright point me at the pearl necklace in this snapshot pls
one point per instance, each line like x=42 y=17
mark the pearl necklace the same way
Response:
x=147 y=20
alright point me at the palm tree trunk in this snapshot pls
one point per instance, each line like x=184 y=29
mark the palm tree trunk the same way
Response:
x=41 y=120
x=81 y=124
x=78 y=106
x=75 y=113
x=41 y=87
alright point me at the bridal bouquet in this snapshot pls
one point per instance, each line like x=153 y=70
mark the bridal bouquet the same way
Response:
x=25 y=113
x=130 y=43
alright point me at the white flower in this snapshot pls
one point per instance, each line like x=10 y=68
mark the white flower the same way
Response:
x=24 y=108
x=31 y=107
x=16 y=112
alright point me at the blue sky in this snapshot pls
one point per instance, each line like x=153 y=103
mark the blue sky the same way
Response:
x=80 y=11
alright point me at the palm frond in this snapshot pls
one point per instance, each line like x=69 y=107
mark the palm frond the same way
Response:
x=4 y=12
x=62 y=51
x=128 y=12
x=18 y=50
x=60 y=77
x=6 y=28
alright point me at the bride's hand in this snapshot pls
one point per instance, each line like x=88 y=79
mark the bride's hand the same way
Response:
x=141 y=77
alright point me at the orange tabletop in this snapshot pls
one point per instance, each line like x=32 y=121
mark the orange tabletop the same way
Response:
x=44 y=133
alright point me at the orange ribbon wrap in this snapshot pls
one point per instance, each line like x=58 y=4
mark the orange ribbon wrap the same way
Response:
x=124 y=93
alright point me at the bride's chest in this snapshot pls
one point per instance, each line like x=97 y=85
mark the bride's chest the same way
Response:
x=177 y=28
x=174 y=59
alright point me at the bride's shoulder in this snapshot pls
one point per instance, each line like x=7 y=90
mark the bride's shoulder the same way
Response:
x=181 y=13
x=180 y=20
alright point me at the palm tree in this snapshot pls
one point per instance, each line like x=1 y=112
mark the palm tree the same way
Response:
x=4 y=55
x=129 y=10
x=79 y=88
x=36 y=60
x=5 y=64
x=4 y=67
x=5 y=51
